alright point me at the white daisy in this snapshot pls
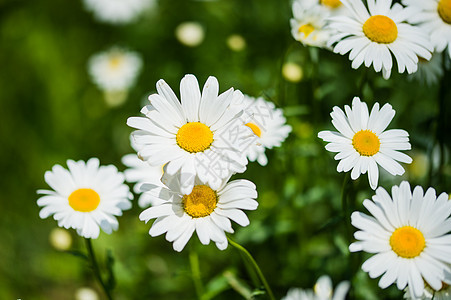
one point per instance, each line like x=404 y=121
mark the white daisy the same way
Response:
x=429 y=72
x=429 y=294
x=115 y=69
x=321 y=291
x=362 y=143
x=201 y=136
x=85 y=197
x=205 y=210
x=309 y=23
x=267 y=123
x=117 y=11
x=372 y=35
x=409 y=234
x=434 y=17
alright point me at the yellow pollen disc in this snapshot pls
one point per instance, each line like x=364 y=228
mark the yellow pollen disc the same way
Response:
x=407 y=242
x=115 y=61
x=194 y=137
x=331 y=3
x=84 y=200
x=257 y=131
x=201 y=202
x=380 y=29
x=306 y=29
x=366 y=143
x=444 y=10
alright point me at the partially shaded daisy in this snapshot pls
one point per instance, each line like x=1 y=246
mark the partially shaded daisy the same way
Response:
x=434 y=16
x=201 y=136
x=408 y=234
x=268 y=124
x=309 y=23
x=429 y=294
x=204 y=210
x=85 y=197
x=321 y=291
x=429 y=72
x=117 y=11
x=363 y=143
x=373 y=35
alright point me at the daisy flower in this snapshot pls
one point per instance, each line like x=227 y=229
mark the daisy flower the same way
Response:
x=372 y=35
x=429 y=72
x=363 y=143
x=408 y=233
x=85 y=197
x=321 y=291
x=268 y=124
x=434 y=17
x=115 y=69
x=205 y=210
x=117 y=11
x=429 y=294
x=202 y=135
x=141 y=172
x=309 y=23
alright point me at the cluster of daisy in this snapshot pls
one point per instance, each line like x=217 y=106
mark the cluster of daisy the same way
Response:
x=407 y=231
x=187 y=152
x=375 y=32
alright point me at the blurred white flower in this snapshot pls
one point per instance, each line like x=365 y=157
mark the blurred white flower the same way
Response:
x=292 y=72
x=60 y=239
x=86 y=293
x=429 y=72
x=236 y=42
x=190 y=34
x=321 y=291
x=118 y=11
x=115 y=69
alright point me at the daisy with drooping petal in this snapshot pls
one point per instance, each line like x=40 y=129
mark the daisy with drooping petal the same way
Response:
x=202 y=135
x=408 y=232
x=429 y=72
x=309 y=23
x=429 y=294
x=85 y=197
x=117 y=11
x=321 y=291
x=204 y=210
x=434 y=17
x=267 y=123
x=373 y=35
x=141 y=172
x=363 y=143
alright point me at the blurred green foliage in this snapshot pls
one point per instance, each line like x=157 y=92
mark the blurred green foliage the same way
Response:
x=51 y=111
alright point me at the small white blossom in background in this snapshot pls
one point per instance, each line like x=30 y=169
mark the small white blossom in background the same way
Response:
x=115 y=71
x=292 y=72
x=204 y=210
x=429 y=72
x=86 y=293
x=408 y=233
x=190 y=34
x=118 y=11
x=60 y=239
x=363 y=143
x=372 y=35
x=267 y=123
x=321 y=291
x=236 y=42
x=86 y=197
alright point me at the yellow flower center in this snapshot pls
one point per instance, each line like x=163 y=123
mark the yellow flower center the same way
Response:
x=444 y=10
x=366 y=143
x=84 y=200
x=306 y=29
x=331 y=3
x=257 y=131
x=201 y=202
x=194 y=137
x=407 y=242
x=115 y=61
x=380 y=29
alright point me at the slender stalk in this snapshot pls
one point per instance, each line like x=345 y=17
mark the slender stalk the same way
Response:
x=255 y=265
x=95 y=268
x=195 y=270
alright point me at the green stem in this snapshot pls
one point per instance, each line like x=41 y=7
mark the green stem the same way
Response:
x=195 y=270
x=95 y=268
x=255 y=265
